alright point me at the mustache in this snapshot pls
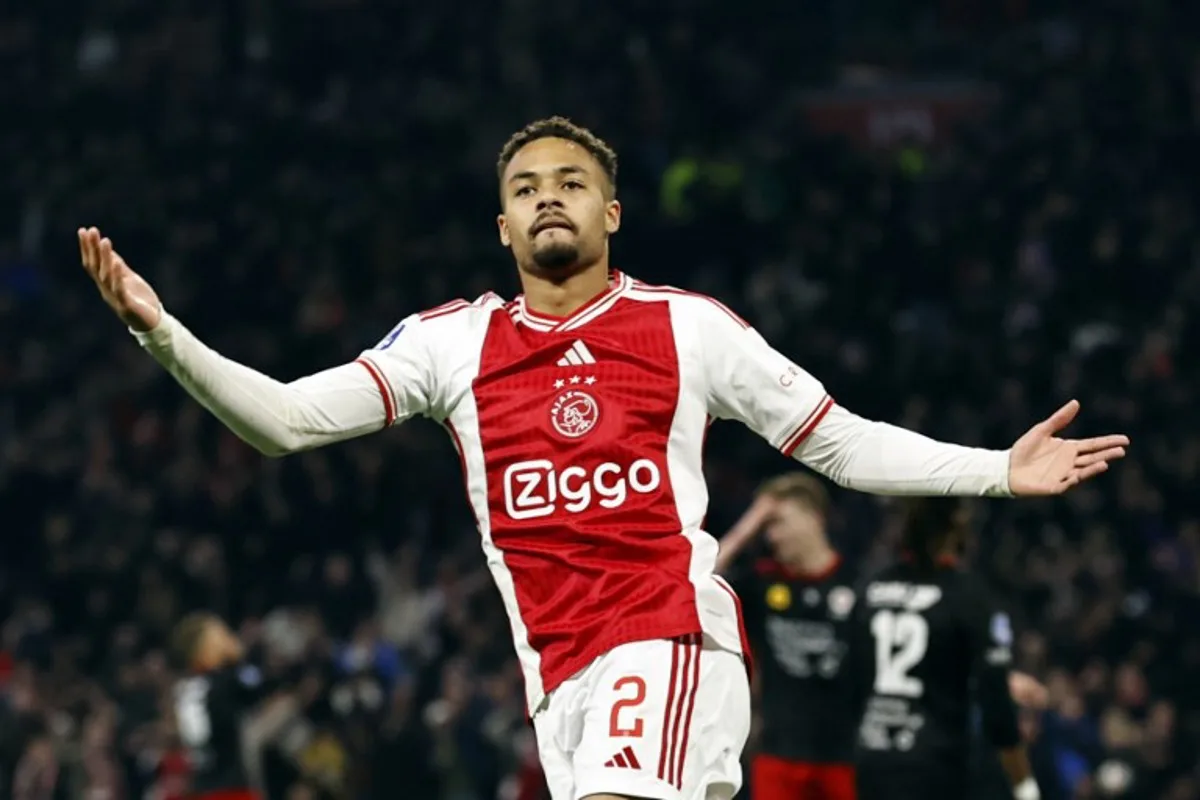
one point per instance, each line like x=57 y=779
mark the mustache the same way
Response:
x=550 y=221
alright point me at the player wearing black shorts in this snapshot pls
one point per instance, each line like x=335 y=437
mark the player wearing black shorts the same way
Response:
x=209 y=703
x=928 y=644
x=798 y=606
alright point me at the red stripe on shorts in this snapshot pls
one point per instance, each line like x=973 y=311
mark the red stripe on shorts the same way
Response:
x=666 y=728
x=687 y=719
x=681 y=701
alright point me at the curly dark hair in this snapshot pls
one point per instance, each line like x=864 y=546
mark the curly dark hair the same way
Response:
x=561 y=128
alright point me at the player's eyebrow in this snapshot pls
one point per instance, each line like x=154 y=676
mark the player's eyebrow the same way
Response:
x=565 y=169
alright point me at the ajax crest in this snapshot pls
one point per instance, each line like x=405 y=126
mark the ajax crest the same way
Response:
x=574 y=413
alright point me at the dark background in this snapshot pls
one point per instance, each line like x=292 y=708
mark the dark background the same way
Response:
x=957 y=214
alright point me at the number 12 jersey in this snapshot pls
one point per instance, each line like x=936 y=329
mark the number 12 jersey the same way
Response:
x=928 y=647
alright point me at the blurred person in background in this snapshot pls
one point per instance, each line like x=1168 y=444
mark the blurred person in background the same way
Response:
x=39 y=774
x=402 y=762
x=797 y=604
x=928 y=644
x=210 y=704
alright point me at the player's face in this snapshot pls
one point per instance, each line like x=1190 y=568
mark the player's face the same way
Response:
x=793 y=530
x=558 y=213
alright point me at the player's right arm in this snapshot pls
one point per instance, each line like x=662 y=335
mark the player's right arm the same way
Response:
x=274 y=417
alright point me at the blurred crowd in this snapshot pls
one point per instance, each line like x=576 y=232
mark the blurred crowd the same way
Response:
x=296 y=177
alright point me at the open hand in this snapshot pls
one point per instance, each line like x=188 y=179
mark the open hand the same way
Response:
x=1043 y=464
x=126 y=292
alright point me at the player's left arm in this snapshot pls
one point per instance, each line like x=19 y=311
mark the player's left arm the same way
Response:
x=750 y=381
x=990 y=642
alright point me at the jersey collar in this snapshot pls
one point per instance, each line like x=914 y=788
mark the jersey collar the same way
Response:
x=618 y=284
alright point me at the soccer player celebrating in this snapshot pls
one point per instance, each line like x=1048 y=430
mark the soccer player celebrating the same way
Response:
x=579 y=411
x=928 y=647
x=209 y=704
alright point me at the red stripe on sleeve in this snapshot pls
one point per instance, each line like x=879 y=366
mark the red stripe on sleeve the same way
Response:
x=806 y=427
x=389 y=401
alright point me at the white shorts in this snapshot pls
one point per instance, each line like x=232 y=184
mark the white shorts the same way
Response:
x=661 y=719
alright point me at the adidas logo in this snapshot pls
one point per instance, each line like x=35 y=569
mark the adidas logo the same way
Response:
x=577 y=355
x=624 y=760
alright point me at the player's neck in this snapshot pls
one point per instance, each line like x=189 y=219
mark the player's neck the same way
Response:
x=817 y=561
x=563 y=298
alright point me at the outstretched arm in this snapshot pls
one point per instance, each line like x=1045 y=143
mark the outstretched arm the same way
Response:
x=884 y=459
x=273 y=417
x=752 y=382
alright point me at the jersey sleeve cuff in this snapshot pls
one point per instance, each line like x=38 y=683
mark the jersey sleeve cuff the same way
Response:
x=160 y=335
x=998 y=461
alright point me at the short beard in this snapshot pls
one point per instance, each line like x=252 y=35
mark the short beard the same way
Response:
x=556 y=257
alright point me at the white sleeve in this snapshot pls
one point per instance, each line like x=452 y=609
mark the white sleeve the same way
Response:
x=404 y=370
x=755 y=384
x=884 y=459
x=275 y=418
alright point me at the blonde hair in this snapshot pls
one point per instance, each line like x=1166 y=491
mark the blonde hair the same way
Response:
x=798 y=487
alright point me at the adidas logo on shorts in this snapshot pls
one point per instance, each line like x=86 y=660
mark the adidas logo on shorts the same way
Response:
x=624 y=760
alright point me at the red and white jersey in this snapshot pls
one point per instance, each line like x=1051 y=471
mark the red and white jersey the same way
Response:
x=581 y=440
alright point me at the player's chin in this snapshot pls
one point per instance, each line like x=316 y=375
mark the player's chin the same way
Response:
x=556 y=255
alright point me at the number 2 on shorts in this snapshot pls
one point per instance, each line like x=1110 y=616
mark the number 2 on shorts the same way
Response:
x=615 y=729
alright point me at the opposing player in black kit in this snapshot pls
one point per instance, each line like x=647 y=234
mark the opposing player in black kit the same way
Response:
x=209 y=704
x=929 y=644
x=798 y=606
